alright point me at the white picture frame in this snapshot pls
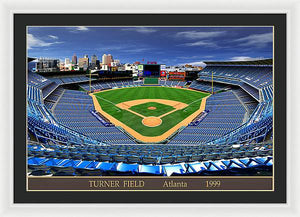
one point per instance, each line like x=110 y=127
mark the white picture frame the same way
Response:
x=291 y=8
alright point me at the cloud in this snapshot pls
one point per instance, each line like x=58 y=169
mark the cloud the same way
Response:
x=256 y=40
x=80 y=29
x=124 y=48
x=200 y=43
x=195 y=57
x=199 y=35
x=143 y=30
x=244 y=58
x=199 y=63
x=188 y=57
x=53 y=36
x=137 y=50
x=33 y=41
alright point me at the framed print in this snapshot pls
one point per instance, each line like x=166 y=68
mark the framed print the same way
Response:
x=150 y=108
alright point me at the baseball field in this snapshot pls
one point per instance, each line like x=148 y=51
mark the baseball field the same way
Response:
x=150 y=114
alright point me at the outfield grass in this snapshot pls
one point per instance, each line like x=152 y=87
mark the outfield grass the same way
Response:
x=108 y=99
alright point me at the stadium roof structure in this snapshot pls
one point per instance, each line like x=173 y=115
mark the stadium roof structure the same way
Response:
x=255 y=62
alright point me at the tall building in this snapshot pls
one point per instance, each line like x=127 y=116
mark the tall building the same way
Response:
x=74 y=59
x=83 y=63
x=107 y=59
x=94 y=59
x=104 y=59
x=67 y=61
x=94 y=62
x=98 y=63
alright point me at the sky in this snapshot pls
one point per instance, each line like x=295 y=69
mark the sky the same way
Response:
x=165 y=45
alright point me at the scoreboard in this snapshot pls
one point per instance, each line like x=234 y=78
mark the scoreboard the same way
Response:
x=150 y=70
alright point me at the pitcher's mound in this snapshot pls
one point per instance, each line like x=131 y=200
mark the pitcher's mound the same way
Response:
x=151 y=108
x=151 y=121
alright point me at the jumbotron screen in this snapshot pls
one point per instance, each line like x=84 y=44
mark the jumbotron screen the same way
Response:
x=151 y=70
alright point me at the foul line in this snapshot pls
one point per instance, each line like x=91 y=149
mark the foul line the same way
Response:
x=150 y=139
x=107 y=101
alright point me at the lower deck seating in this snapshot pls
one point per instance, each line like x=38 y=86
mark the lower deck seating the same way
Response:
x=146 y=159
x=44 y=127
x=225 y=114
x=73 y=110
x=68 y=167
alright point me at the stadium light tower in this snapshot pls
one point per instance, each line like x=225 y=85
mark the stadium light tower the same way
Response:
x=90 y=79
x=212 y=82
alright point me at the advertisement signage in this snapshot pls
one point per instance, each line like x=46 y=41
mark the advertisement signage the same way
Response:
x=140 y=67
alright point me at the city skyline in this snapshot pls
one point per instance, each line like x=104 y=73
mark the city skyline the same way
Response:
x=166 y=45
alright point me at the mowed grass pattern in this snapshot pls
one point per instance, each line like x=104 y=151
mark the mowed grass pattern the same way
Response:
x=108 y=99
x=151 y=81
x=160 y=109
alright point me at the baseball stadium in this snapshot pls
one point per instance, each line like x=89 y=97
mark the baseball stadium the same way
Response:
x=219 y=122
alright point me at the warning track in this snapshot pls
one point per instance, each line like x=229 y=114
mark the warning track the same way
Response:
x=149 y=121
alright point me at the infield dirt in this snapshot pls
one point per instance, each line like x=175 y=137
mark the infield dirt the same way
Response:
x=150 y=139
